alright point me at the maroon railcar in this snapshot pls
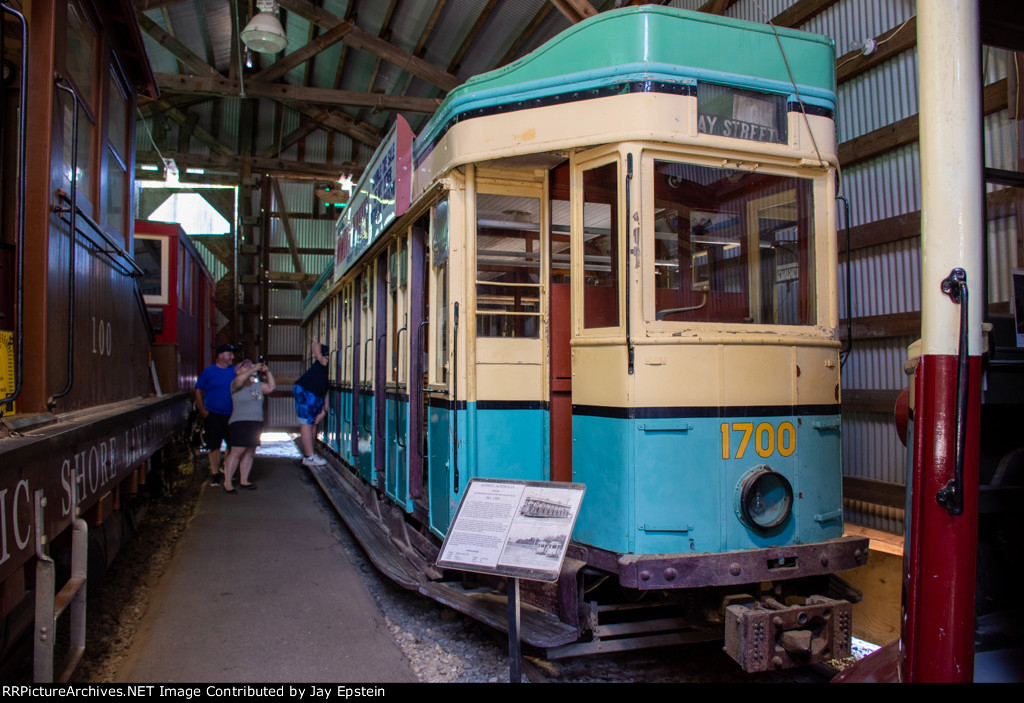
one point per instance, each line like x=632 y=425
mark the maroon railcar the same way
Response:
x=80 y=414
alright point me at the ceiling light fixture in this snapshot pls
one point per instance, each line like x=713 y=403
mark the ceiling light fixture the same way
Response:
x=264 y=32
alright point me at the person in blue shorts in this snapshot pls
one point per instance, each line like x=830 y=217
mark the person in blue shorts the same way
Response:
x=213 y=400
x=310 y=393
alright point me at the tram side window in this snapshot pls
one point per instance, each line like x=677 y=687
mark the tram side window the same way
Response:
x=600 y=247
x=732 y=246
x=439 y=303
x=508 y=266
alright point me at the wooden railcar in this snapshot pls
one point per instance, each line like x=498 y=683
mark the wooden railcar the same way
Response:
x=615 y=267
x=80 y=419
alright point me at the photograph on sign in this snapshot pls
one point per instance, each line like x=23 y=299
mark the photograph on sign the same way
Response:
x=513 y=528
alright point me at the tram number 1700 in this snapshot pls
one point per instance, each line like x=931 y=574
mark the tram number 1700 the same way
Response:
x=767 y=438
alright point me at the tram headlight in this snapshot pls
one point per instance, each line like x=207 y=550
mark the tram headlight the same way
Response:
x=764 y=498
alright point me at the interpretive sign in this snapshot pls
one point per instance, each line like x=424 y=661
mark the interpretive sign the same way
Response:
x=518 y=529
x=382 y=195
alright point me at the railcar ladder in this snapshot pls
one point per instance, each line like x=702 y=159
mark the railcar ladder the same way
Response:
x=49 y=607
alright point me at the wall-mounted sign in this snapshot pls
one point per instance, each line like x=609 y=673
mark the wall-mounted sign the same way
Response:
x=382 y=195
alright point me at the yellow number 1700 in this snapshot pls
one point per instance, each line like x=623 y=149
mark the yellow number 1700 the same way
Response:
x=766 y=439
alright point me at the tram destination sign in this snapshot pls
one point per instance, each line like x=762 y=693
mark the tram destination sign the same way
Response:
x=382 y=195
x=518 y=529
x=741 y=114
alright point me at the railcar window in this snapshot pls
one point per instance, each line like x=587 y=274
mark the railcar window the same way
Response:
x=732 y=246
x=601 y=247
x=151 y=257
x=80 y=66
x=508 y=266
x=439 y=302
x=115 y=209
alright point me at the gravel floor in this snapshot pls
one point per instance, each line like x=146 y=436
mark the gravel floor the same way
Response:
x=442 y=645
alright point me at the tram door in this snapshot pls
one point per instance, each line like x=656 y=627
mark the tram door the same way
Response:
x=438 y=404
x=347 y=356
x=560 y=310
x=396 y=349
x=363 y=401
x=379 y=351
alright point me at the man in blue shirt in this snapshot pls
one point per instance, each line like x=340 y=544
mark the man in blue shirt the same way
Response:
x=213 y=399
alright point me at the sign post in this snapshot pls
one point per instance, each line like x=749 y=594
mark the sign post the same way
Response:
x=515 y=529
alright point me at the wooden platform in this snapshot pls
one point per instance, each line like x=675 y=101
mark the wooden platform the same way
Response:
x=876 y=619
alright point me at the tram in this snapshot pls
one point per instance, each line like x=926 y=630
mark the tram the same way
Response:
x=618 y=268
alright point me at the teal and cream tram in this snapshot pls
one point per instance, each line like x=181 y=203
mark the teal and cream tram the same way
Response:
x=615 y=267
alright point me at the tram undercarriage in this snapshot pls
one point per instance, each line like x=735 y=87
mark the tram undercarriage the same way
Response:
x=599 y=604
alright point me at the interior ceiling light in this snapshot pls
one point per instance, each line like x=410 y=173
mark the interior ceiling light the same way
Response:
x=264 y=32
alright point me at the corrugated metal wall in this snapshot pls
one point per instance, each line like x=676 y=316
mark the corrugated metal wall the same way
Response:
x=886 y=277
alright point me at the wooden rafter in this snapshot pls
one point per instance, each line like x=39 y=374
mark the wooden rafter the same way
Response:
x=889 y=43
x=243 y=165
x=471 y=36
x=906 y=131
x=181 y=52
x=338 y=121
x=575 y=10
x=198 y=132
x=385 y=32
x=800 y=12
x=301 y=55
x=177 y=83
x=304 y=130
x=362 y=39
x=717 y=7
x=541 y=15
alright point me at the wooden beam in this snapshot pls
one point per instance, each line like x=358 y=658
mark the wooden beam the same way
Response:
x=893 y=495
x=890 y=43
x=302 y=55
x=717 y=7
x=906 y=131
x=891 y=229
x=860 y=400
x=303 y=280
x=186 y=129
x=575 y=10
x=304 y=130
x=282 y=209
x=339 y=122
x=908 y=226
x=177 y=49
x=198 y=132
x=900 y=324
x=361 y=39
x=800 y=12
x=471 y=35
x=541 y=15
x=299 y=170
x=220 y=86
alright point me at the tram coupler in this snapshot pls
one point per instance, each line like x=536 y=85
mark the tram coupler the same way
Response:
x=768 y=635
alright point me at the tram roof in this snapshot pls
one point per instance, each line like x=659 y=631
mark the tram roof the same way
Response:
x=649 y=43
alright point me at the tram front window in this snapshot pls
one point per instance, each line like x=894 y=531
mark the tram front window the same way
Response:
x=732 y=246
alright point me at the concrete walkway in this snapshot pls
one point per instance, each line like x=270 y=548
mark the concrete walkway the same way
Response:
x=260 y=591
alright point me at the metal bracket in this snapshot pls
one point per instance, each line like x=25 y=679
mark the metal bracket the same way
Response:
x=951 y=496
